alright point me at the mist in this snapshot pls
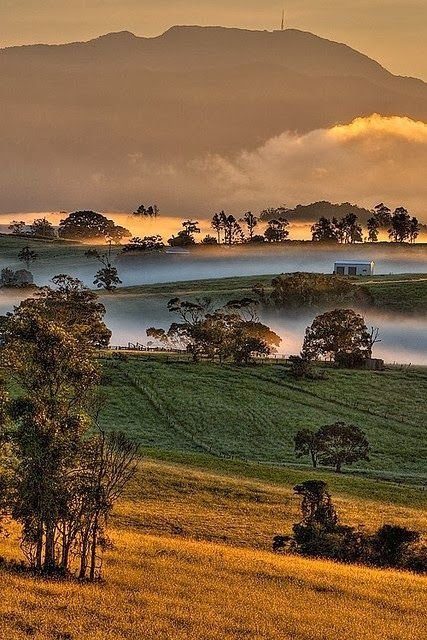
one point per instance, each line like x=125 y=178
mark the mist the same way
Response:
x=371 y=160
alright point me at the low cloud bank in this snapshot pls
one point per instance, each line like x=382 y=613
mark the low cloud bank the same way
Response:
x=369 y=160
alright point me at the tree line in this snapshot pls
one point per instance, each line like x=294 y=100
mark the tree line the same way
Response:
x=60 y=472
x=320 y=534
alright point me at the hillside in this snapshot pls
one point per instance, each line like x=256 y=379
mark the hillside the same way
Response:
x=253 y=413
x=190 y=559
x=83 y=111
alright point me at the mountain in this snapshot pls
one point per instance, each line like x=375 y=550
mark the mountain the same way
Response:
x=189 y=92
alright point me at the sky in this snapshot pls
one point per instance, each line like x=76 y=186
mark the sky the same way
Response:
x=390 y=31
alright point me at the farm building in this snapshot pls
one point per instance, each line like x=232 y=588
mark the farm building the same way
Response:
x=354 y=268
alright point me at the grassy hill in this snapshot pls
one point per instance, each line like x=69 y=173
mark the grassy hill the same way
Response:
x=190 y=561
x=253 y=413
x=399 y=292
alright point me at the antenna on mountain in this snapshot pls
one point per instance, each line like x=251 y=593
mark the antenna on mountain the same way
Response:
x=282 y=28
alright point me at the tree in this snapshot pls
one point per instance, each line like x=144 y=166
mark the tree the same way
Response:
x=209 y=240
x=15 y=279
x=217 y=224
x=42 y=228
x=308 y=289
x=185 y=238
x=251 y=222
x=277 y=230
x=337 y=332
x=401 y=225
x=89 y=225
x=316 y=505
x=414 y=229
x=324 y=230
x=272 y=213
x=147 y=243
x=306 y=444
x=17 y=227
x=232 y=331
x=233 y=233
x=390 y=544
x=383 y=215
x=108 y=276
x=49 y=355
x=27 y=256
x=66 y=479
x=351 y=230
x=152 y=211
x=340 y=443
x=373 y=227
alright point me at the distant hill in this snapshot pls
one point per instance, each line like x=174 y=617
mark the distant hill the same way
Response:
x=311 y=212
x=74 y=112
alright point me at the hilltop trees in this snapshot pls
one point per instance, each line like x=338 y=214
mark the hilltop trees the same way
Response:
x=185 y=238
x=42 y=228
x=251 y=222
x=277 y=230
x=152 y=211
x=89 y=225
x=147 y=243
x=232 y=331
x=403 y=227
x=66 y=472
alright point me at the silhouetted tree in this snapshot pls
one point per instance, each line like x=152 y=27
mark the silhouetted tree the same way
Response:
x=251 y=222
x=373 y=227
x=217 y=223
x=147 y=243
x=383 y=215
x=277 y=230
x=42 y=228
x=324 y=230
x=107 y=277
x=403 y=227
x=17 y=227
x=89 y=225
x=27 y=256
x=209 y=240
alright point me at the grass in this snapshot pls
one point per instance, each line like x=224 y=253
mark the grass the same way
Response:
x=253 y=413
x=400 y=292
x=191 y=561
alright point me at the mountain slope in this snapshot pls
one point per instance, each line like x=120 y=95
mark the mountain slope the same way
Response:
x=190 y=92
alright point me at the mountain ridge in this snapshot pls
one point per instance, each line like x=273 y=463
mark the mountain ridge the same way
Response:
x=90 y=108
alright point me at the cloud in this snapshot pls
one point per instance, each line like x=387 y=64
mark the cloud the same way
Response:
x=369 y=160
x=366 y=161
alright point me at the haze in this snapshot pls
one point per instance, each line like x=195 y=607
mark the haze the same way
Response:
x=392 y=32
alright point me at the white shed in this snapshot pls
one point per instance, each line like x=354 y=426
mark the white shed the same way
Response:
x=354 y=268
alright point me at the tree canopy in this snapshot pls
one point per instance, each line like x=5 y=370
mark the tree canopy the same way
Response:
x=89 y=225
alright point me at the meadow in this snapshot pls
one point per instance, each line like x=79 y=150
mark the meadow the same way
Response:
x=190 y=559
x=253 y=413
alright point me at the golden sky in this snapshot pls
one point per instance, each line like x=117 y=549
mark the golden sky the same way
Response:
x=394 y=32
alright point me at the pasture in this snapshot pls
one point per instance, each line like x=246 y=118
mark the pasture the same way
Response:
x=189 y=559
x=253 y=413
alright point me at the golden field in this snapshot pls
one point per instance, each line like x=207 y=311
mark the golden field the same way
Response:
x=190 y=560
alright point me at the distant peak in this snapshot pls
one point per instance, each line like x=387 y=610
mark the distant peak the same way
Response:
x=118 y=35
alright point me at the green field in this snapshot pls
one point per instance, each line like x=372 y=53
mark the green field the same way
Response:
x=253 y=413
x=400 y=292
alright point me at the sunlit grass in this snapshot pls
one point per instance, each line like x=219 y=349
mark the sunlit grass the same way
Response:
x=192 y=582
